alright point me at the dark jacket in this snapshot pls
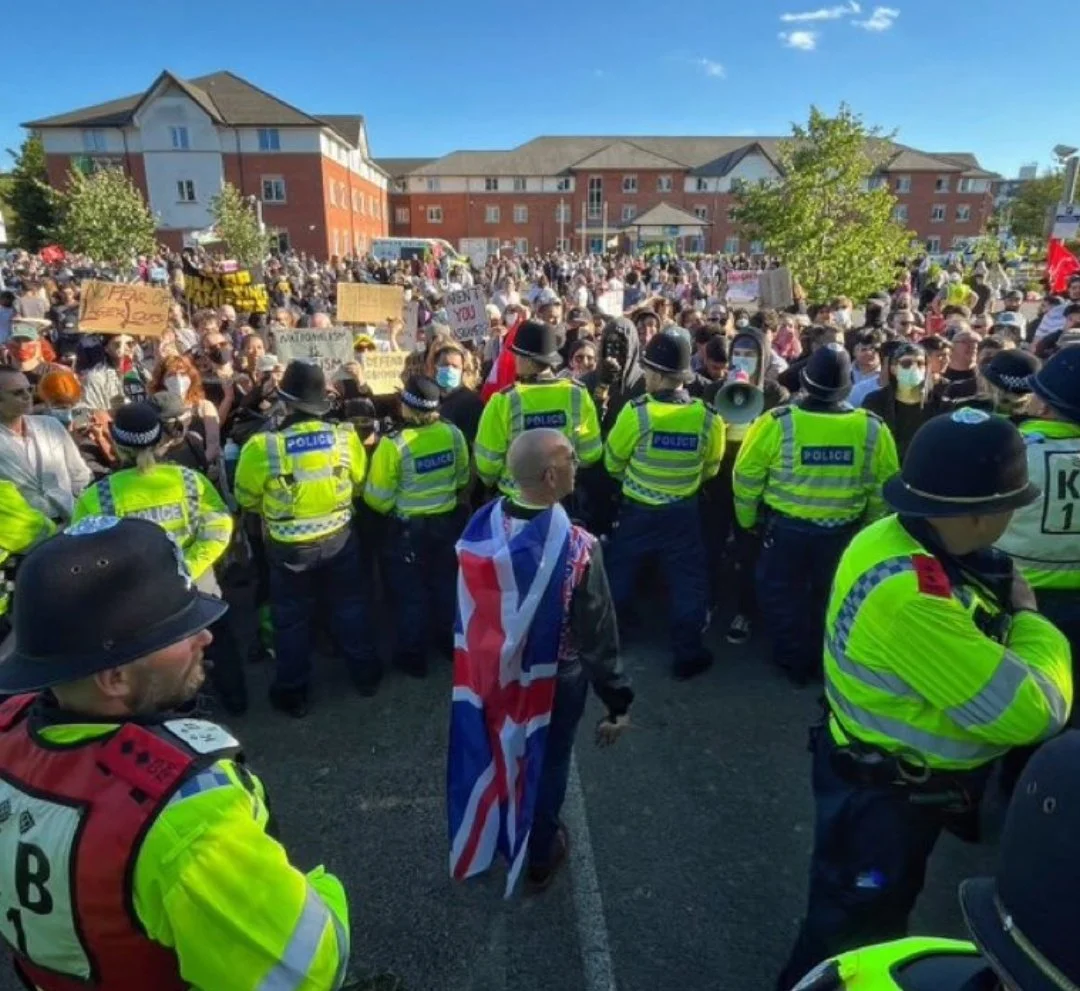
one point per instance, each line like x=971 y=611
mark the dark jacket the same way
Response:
x=619 y=338
x=462 y=408
x=883 y=403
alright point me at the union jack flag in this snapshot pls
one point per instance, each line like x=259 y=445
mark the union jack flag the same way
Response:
x=511 y=577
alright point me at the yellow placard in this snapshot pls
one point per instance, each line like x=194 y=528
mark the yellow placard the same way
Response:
x=122 y=308
x=233 y=289
x=382 y=370
x=361 y=302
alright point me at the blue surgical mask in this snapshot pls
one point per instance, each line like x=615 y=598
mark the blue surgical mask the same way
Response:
x=448 y=377
x=65 y=416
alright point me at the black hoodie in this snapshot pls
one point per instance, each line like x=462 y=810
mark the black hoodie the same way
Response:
x=621 y=340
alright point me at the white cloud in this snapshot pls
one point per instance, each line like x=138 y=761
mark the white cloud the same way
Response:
x=880 y=20
x=823 y=13
x=804 y=41
x=711 y=68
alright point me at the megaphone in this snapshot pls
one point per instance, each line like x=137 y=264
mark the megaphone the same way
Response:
x=739 y=401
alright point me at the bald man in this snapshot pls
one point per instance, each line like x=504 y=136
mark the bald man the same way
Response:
x=543 y=464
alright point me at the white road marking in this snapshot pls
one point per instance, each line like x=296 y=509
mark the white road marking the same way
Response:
x=588 y=902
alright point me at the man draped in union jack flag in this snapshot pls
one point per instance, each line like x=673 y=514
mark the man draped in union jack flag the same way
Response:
x=535 y=625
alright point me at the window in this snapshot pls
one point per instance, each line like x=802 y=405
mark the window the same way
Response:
x=596 y=245
x=702 y=184
x=971 y=186
x=629 y=183
x=731 y=214
x=273 y=189
x=491 y=185
x=355 y=201
x=701 y=212
x=562 y=213
x=185 y=191
x=521 y=245
x=433 y=185
x=963 y=214
x=875 y=182
x=663 y=184
x=371 y=205
x=937 y=213
x=269 y=139
x=899 y=214
x=941 y=185
x=491 y=214
x=562 y=244
x=519 y=185
x=331 y=192
x=629 y=212
x=731 y=245
x=360 y=203
x=179 y=137
x=596 y=196
x=903 y=184
x=434 y=214
x=93 y=140
x=562 y=184
x=281 y=238
x=933 y=245
x=521 y=214
x=401 y=215
x=334 y=240
x=757 y=247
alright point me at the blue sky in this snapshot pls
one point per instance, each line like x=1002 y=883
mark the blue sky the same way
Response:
x=969 y=75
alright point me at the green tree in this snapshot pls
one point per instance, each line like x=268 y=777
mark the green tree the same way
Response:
x=104 y=215
x=238 y=226
x=29 y=198
x=835 y=235
x=1028 y=212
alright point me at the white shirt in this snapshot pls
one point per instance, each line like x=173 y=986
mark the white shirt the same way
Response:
x=44 y=464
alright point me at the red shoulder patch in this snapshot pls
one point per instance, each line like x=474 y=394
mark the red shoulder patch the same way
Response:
x=932 y=577
x=144 y=760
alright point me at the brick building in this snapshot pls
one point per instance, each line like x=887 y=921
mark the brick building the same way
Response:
x=180 y=140
x=574 y=191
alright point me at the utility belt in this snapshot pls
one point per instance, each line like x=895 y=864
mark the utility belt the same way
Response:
x=774 y=519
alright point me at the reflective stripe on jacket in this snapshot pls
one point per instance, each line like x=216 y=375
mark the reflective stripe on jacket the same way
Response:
x=418 y=470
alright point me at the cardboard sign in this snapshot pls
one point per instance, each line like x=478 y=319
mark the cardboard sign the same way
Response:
x=466 y=315
x=382 y=370
x=743 y=287
x=120 y=308
x=411 y=317
x=234 y=289
x=777 y=291
x=329 y=347
x=360 y=302
x=610 y=303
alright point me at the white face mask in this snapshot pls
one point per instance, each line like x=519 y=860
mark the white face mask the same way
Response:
x=842 y=318
x=178 y=385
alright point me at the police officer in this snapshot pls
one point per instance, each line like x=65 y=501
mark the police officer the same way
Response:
x=1022 y=920
x=302 y=479
x=419 y=476
x=141 y=844
x=21 y=526
x=817 y=465
x=185 y=503
x=537 y=399
x=663 y=446
x=936 y=664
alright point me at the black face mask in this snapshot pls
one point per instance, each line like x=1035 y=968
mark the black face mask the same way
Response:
x=221 y=355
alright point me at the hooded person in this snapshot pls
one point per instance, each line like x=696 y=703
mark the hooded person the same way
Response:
x=618 y=377
x=904 y=401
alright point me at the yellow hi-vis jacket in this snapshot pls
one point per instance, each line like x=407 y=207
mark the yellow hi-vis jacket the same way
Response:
x=302 y=479
x=874 y=968
x=557 y=403
x=180 y=500
x=821 y=467
x=418 y=470
x=908 y=670
x=663 y=449
x=21 y=526
x=213 y=886
x=1043 y=539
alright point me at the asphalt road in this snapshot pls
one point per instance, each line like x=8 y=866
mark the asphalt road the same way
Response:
x=691 y=837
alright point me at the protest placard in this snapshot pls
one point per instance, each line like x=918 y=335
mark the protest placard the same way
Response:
x=742 y=287
x=466 y=313
x=776 y=288
x=122 y=308
x=382 y=370
x=330 y=347
x=362 y=302
x=411 y=318
x=610 y=303
x=235 y=289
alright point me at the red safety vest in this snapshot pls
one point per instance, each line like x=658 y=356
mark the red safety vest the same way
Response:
x=71 y=822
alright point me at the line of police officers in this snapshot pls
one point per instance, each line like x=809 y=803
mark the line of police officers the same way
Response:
x=936 y=660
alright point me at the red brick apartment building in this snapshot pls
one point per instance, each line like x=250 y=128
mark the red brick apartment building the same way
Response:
x=180 y=140
x=557 y=191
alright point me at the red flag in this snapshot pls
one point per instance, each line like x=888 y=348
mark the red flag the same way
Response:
x=1060 y=264
x=503 y=369
x=52 y=254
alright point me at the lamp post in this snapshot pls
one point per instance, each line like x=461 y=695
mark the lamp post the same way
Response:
x=1069 y=159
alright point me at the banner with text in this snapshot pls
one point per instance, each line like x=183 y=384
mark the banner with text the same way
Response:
x=361 y=302
x=331 y=347
x=610 y=303
x=235 y=289
x=466 y=314
x=382 y=370
x=743 y=287
x=120 y=308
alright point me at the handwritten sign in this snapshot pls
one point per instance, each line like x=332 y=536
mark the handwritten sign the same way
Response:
x=329 y=347
x=610 y=303
x=361 y=302
x=382 y=370
x=742 y=287
x=119 y=308
x=776 y=288
x=234 y=289
x=466 y=315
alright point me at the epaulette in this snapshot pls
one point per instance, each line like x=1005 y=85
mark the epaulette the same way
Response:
x=931 y=575
x=507 y=388
x=639 y=400
x=824 y=977
x=779 y=411
x=871 y=415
